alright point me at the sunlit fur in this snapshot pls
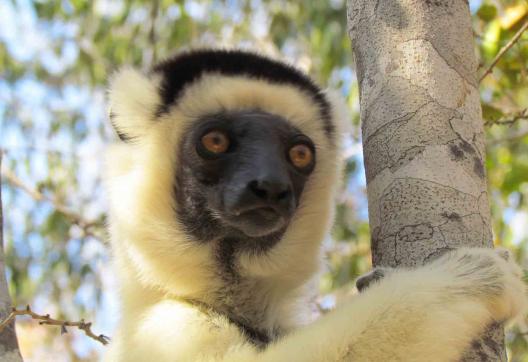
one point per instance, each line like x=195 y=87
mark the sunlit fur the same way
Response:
x=426 y=314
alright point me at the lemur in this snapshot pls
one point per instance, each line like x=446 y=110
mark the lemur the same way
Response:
x=221 y=190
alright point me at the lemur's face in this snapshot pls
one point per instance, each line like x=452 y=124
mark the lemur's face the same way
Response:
x=241 y=174
x=229 y=159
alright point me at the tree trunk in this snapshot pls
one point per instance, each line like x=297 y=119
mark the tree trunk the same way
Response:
x=9 y=351
x=423 y=137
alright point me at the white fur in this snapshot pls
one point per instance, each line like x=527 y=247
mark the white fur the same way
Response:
x=133 y=97
x=426 y=314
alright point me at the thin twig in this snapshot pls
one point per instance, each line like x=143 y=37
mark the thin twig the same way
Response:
x=510 y=119
x=505 y=49
x=74 y=217
x=46 y=319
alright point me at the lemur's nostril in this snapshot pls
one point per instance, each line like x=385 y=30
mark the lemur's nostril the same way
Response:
x=283 y=195
x=270 y=190
x=258 y=191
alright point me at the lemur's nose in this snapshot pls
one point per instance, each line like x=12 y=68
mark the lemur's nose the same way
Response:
x=274 y=191
x=268 y=193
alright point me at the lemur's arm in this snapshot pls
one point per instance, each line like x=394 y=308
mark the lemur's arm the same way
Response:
x=427 y=314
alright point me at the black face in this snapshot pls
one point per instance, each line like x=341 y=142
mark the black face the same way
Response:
x=241 y=175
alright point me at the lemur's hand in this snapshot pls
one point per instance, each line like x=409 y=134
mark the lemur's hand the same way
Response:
x=490 y=275
x=375 y=275
x=378 y=273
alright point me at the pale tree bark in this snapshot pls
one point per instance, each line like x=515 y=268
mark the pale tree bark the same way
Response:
x=423 y=137
x=9 y=351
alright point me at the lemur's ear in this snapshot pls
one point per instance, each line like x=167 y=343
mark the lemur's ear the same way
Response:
x=133 y=99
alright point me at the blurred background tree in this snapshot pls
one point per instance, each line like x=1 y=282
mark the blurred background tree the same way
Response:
x=55 y=60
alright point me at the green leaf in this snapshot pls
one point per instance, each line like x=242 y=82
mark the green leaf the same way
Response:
x=491 y=113
x=487 y=12
x=490 y=42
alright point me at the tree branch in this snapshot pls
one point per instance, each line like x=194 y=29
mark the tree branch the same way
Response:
x=510 y=119
x=46 y=319
x=75 y=218
x=504 y=50
x=9 y=349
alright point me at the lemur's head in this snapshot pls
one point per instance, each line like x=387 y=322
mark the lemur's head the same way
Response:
x=228 y=162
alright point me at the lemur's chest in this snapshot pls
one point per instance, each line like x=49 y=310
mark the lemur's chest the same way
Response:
x=244 y=305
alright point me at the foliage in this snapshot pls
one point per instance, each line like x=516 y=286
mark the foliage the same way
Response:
x=505 y=100
x=55 y=59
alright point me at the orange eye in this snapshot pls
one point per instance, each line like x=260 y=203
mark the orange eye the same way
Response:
x=301 y=155
x=215 y=142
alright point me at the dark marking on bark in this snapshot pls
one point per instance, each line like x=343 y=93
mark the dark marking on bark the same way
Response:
x=436 y=254
x=478 y=167
x=374 y=244
x=457 y=153
x=376 y=232
x=453 y=216
x=393 y=14
x=468 y=154
x=467 y=147
x=406 y=157
x=438 y=3
x=461 y=148
x=411 y=233
x=384 y=251
x=360 y=69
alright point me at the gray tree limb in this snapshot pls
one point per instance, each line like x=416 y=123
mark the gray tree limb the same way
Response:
x=9 y=351
x=423 y=136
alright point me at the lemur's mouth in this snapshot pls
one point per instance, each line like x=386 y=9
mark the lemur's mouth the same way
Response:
x=262 y=215
x=266 y=212
x=258 y=221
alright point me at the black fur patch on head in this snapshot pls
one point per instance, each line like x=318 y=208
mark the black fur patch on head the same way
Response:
x=184 y=68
